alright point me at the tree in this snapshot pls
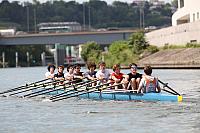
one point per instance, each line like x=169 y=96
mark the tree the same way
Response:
x=175 y=3
x=91 y=51
x=137 y=42
x=119 y=53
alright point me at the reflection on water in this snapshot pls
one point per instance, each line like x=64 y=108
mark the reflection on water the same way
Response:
x=80 y=115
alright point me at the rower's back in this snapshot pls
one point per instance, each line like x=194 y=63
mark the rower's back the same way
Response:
x=148 y=83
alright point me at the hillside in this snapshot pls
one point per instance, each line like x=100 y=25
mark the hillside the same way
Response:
x=187 y=57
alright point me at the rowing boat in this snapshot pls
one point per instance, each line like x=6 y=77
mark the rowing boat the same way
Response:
x=125 y=96
x=103 y=91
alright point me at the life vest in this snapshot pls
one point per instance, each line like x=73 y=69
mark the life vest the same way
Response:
x=150 y=85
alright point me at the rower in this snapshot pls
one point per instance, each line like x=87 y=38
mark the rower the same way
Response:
x=133 y=77
x=148 y=83
x=117 y=77
x=50 y=74
x=78 y=75
x=60 y=74
x=69 y=76
x=91 y=74
x=103 y=74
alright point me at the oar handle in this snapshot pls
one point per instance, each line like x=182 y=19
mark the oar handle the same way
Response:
x=86 y=91
x=75 y=88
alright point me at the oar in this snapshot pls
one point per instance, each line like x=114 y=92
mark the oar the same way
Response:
x=29 y=89
x=48 y=90
x=165 y=85
x=74 y=89
x=169 y=91
x=22 y=87
x=88 y=90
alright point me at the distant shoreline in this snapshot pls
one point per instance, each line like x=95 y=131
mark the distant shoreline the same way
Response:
x=168 y=67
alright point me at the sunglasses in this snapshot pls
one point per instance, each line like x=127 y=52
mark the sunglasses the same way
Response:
x=134 y=67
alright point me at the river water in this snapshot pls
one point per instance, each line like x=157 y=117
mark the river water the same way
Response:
x=89 y=116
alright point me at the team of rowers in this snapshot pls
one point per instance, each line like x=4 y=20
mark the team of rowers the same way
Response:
x=140 y=83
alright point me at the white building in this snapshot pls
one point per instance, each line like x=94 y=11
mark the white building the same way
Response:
x=57 y=27
x=7 y=32
x=185 y=26
x=188 y=11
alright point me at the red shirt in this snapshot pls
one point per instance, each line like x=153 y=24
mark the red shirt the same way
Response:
x=118 y=76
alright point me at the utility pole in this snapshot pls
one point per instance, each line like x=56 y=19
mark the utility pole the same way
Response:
x=143 y=24
x=35 y=21
x=89 y=16
x=83 y=16
x=140 y=17
x=27 y=11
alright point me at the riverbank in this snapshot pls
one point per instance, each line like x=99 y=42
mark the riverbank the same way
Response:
x=184 y=58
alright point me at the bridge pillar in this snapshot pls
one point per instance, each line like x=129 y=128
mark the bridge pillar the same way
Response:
x=16 y=59
x=59 y=55
x=3 y=58
x=43 y=58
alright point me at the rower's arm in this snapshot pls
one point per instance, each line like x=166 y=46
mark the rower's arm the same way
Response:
x=56 y=78
x=158 y=89
x=79 y=77
x=141 y=87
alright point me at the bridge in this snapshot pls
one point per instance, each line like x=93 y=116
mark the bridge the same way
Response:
x=64 y=42
x=72 y=38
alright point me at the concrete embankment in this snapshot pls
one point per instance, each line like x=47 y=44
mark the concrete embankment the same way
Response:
x=186 y=58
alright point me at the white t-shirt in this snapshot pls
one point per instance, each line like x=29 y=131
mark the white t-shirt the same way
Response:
x=68 y=75
x=47 y=74
x=105 y=74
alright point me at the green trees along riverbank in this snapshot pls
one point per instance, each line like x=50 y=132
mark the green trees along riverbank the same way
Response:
x=122 y=52
x=97 y=13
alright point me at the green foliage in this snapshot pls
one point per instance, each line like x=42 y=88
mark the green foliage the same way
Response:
x=173 y=46
x=137 y=42
x=188 y=45
x=152 y=49
x=91 y=51
x=120 y=53
x=192 y=45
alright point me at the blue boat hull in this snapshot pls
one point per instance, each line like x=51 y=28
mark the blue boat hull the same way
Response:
x=126 y=96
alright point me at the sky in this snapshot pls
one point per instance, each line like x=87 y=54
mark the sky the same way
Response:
x=80 y=1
